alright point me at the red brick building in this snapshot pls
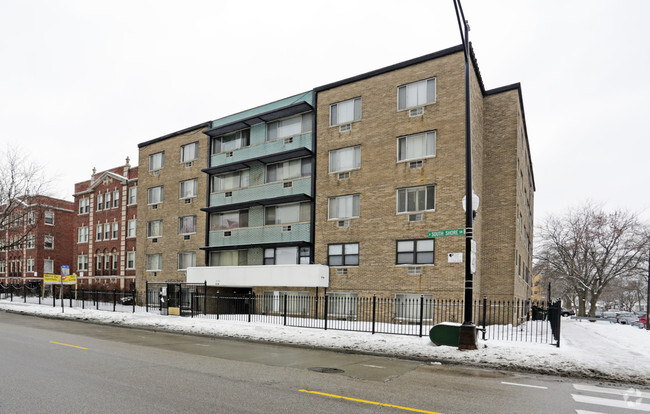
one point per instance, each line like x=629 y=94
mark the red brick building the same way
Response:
x=105 y=229
x=35 y=238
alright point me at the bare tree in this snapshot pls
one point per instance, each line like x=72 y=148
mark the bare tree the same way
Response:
x=22 y=184
x=587 y=249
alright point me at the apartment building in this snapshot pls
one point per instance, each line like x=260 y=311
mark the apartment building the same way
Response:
x=390 y=168
x=36 y=235
x=172 y=190
x=104 y=249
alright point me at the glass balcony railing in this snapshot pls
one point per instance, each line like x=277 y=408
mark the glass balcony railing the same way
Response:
x=261 y=192
x=262 y=150
x=257 y=235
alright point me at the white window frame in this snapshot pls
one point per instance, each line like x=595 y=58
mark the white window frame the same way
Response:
x=242 y=139
x=161 y=195
x=82 y=262
x=356 y=159
x=279 y=168
x=130 y=260
x=216 y=220
x=183 y=184
x=99 y=232
x=153 y=262
x=133 y=195
x=116 y=199
x=151 y=227
x=303 y=210
x=190 y=152
x=48 y=263
x=429 y=191
x=100 y=202
x=131 y=229
x=31 y=241
x=48 y=239
x=280 y=129
x=182 y=256
x=356 y=199
x=157 y=161
x=181 y=225
x=415 y=87
x=82 y=234
x=116 y=230
x=48 y=218
x=243 y=177
x=337 y=108
x=428 y=135
x=30 y=265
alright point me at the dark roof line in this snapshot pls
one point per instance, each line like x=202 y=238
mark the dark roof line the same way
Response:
x=173 y=134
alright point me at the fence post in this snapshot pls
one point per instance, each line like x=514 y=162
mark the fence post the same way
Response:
x=71 y=296
x=24 y=293
x=205 y=297
x=484 y=312
x=97 y=299
x=133 y=297
x=192 y=297
x=421 y=313
x=285 y=308
x=374 y=310
x=250 y=305
x=146 y=296
x=325 y=315
x=83 y=300
x=53 y=297
x=114 y=298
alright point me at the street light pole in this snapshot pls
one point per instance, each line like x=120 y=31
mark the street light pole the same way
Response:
x=467 y=338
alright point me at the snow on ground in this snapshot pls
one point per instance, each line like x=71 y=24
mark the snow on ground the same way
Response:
x=599 y=350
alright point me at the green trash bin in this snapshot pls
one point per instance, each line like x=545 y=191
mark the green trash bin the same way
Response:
x=445 y=333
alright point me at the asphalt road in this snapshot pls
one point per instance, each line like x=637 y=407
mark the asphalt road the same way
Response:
x=57 y=366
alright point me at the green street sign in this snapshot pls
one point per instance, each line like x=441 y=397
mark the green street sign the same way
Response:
x=443 y=233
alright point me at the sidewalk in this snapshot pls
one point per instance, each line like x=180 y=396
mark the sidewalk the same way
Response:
x=600 y=350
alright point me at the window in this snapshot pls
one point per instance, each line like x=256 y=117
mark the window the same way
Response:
x=133 y=195
x=156 y=161
x=344 y=207
x=229 y=258
x=155 y=195
x=115 y=230
x=30 y=265
x=154 y=228
x=84 y=205
x=100 y=202
x=3 y=266
x=288 y=127
x=116 y=199
x=286 y=255
x=230 y=181
x=288 y=170
x=230 y=220
x=131 y=228
x=415 y=199
x=49 y=242
x=49 y=217
x=98 y=260
x=48 y=266
x=31 y=218
x=411 y=147
x=82 y=235
x=287 y=213
x=82 y=262
x=231 y=142
x=130 y=260
x=31 y=241
x=107 y=200
x=187 y=189
x=107 y=231
x=154 y=262
x=343 y=254
x=416 y=94
x=345 y=159
x=115 y=260
x=186 y=259
x=187 y=225
x=408 y=306
x=99 y=232
x=345 y=112
x=342 y=304
x=415 y=251
x=189 y=152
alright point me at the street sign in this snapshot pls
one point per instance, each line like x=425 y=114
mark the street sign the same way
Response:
x=443 y=233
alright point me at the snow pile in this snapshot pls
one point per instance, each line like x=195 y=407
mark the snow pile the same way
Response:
x=600 y=350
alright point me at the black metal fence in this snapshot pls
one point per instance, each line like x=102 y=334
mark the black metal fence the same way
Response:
x=499 y=320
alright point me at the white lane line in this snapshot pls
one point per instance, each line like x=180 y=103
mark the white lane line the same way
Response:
x=630 y=392
x=524 y=385
x=371 y=366
x=630 y=405
x=588 y=412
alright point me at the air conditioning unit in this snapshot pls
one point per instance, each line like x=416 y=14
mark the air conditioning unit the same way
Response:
x=416 y=111
x=154 y=240
x=415 y=164
x=344 y=223
x=345 y=127
x=229 y=154
x=288 y=140
x=415 y=217
x=154 y=206
x=286 y=228
x=156 y=172
x=288 y=184
x=186 y=237
x=189 y=164
x=227 y=233
x=228 y=194
x=188 y=201
x=414 y=270
x=342 y=271
x=344 y=175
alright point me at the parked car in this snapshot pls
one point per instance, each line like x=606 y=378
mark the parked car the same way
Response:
x=611 y=315
x=643 y=322
x=127 y=300
x=567 y=312
x=626 y=318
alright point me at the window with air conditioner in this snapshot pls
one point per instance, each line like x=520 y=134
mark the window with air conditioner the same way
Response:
x=287 y=213
x=155 y=195
x=189 y=153
x=229 y=220
x=416 y=146
x=156 y=161
x=416 y=94
x=230 y=142
x=187 y=189
x=289 y=127
x=343 y=207
x=345 y=159
x=153 y=262
x=345 y=112
x=154 y=229
x=187 y=225
x=416 y=199
x=230 y=181
x=288 y=170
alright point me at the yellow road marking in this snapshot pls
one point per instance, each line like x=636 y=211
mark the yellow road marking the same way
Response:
x=369 y=402
x=73 y=346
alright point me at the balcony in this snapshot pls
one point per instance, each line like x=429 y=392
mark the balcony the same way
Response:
x=300 y=232
x=267 y=152
x=279 y=192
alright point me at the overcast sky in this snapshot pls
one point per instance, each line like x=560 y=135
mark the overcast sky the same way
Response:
x=83 y=82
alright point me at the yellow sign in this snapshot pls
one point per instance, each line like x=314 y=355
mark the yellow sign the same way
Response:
x=174 y=311
x=50 y=279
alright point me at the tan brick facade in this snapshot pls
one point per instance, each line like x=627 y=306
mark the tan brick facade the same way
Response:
x=174 y=205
